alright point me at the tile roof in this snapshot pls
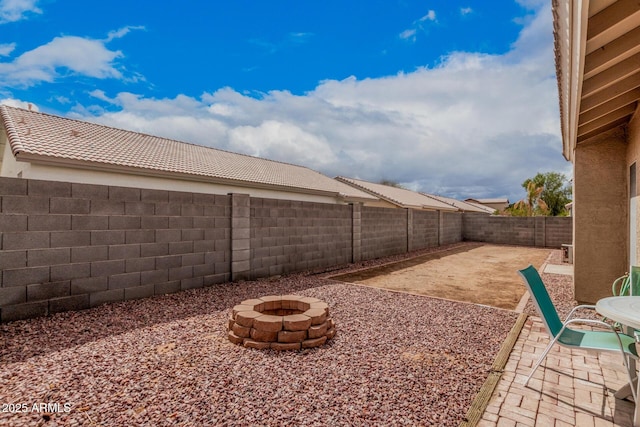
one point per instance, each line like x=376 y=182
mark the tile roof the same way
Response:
x=463 y=206
x=497 y=200
x=480 y=206
x=398 y=196
x=36 y=136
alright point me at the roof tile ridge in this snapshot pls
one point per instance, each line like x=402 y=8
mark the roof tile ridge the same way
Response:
x=12 y=131
x=160 y=137
x=368 y=190
x=438 y=200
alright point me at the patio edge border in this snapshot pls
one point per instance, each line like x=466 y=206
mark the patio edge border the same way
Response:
x=479 y=404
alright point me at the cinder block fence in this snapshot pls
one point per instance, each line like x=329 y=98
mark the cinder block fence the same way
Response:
x=68 y=246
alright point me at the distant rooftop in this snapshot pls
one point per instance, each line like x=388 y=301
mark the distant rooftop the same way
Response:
x=399 y=196
x=487 y=201
x=463 y=206
x=480 y=206
x=44 y=138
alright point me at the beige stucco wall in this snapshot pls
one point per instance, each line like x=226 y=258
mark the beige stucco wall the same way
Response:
x=53 y=173
x=8 y=165
x=380 y=204
x=497 y=206
x=633 y=156
x=600 y=215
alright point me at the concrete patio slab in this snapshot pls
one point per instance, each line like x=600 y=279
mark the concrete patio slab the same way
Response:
x=566 y=269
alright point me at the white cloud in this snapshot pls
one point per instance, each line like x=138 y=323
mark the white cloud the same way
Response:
x=476 y=125
x=409 y=34
x=6 y=49
x=62 y=99
x=532 y=4
x=430 y=16
x=16 y=10
x=99 y=94
x=465 y=11
x=19 y=104
x=300 y=38
x=119 y=33
x=62 y=56
x=282 y=140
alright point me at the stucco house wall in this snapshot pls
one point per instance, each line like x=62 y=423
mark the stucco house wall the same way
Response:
x=600 y=215
x=599 y=91
x=633 y=156
x=65 y=174
x=606 y=230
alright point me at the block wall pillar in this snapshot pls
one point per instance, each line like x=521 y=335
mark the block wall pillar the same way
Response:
x=356 y=224
x=440 y=228
x=240 y=237
x=409 y=230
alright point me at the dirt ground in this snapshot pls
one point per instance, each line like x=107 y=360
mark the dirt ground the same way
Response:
x=477 y=273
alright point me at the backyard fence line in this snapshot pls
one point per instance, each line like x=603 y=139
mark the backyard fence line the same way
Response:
x=69 y=246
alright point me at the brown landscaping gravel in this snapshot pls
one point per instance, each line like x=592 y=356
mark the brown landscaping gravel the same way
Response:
x=397 y=359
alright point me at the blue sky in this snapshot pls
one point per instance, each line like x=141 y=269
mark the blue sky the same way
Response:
x=448 y=97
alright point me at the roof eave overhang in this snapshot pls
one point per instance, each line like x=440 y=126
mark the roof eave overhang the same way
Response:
x=571 y=36
x=83 y=164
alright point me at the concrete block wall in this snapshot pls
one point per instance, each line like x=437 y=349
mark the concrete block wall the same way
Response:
x=425 y=230
x=550 y=232
x=289 y=236
x=515 y=231
x=67 y=246
x=71 y=246
x=558 y=232
x=451 y=227
x=384 y=232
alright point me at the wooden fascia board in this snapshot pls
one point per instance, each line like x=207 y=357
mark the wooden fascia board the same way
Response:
x=578 y=22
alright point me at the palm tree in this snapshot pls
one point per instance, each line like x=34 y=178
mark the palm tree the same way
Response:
x=533 y=204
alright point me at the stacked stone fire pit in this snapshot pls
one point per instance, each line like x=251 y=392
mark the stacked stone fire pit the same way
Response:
x=281 y=322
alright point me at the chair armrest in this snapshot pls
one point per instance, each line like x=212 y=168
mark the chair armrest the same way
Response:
x=591 y=321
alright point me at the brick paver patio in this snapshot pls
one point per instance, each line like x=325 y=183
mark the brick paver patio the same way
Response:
x=571 y=388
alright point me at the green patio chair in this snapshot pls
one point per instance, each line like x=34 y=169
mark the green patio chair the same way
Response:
x=629 y=284
x=560 y=333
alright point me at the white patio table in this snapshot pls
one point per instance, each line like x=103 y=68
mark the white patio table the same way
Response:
x=626 y=310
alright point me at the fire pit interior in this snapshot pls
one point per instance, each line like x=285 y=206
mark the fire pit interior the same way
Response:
x=281 y=322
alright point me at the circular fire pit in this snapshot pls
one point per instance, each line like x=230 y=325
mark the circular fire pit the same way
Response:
x=281 y=322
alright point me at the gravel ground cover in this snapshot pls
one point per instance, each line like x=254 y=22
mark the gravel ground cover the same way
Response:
x=560 y=288
x=397 y=359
